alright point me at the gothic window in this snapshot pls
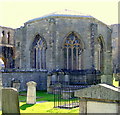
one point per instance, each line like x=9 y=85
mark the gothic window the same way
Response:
x=3 y=37
x=99 y=54
x=8 y=36
x=2 y=34
x=39 y=53
x=72 y=52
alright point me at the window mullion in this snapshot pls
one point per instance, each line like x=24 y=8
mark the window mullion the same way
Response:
x=72 y=58
x=67 y=58
x=36 y=58
x=76 y=58
x=40 y=58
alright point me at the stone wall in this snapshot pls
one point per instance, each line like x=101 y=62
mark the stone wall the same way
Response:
x=101 y=98
x=54 y=31
x=6 y=33
x=115 y=46
x=101 y=107
x=39 y=77
x=7 y=49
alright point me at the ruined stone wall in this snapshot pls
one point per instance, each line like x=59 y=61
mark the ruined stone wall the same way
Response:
x=7 y=46
x=6 y=33
x=18 y=48
x=54 y=31
x=39 y=77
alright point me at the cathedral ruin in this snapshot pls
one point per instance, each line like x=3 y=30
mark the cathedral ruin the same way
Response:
x=65 y=47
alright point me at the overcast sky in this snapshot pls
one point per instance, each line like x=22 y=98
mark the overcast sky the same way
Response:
x=14 y=13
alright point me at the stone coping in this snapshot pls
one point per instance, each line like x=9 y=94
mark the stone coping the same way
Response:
x=99 y=100
x=21 y=70
x=100 y=91
x=64 y=14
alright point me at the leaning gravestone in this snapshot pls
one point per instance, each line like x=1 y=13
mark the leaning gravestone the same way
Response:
x=10 y=101
x=31 y=92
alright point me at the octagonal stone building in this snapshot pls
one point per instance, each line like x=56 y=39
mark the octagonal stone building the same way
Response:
x=66 y=47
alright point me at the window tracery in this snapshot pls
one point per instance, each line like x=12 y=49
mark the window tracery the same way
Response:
x=72 y=52
x=39 y=52
x=99 y=54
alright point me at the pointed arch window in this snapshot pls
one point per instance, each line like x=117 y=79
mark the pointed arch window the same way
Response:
x=72 y=52
x=8 y=36
x=99 y=54
x=39 y=53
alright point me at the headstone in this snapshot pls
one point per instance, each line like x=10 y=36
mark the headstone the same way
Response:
x=53 y=79
x=67 y=94
x=101 y=98
x=10 y=101
x=31 y=92
x=67 y=79
x=48 y=83
x=16 y=84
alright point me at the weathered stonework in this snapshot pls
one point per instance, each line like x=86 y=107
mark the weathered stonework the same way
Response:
x=7 y=49
x=25 y=77
x=116 y=50
x=10 y=101
x=52 y=32
x=31 y=92
x=101 y=98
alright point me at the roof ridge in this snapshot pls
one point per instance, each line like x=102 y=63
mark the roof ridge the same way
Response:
x=64 y=13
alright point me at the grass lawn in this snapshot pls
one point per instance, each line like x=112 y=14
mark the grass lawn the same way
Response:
x=45 y=107
x=115 y=83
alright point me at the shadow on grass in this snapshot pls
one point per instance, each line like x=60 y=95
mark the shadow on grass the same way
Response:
x=25 y=106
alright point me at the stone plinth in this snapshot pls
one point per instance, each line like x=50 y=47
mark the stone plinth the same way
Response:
x=10 y=101
x=31 y=92
x=100 y=98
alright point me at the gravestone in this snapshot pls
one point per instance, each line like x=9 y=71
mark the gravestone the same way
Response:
x=48 y=83
x=53 y=79
x=67 y=79
x=100 y=98
x=67 y=94
x=16 y=84
x=10 y=101
x=31 y=92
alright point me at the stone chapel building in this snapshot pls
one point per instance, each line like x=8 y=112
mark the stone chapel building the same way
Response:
x=66 y=47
